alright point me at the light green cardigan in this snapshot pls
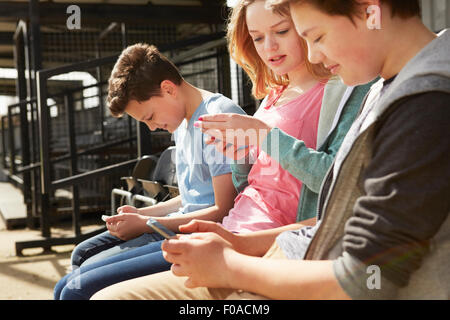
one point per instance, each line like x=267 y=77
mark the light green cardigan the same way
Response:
x=306 y=164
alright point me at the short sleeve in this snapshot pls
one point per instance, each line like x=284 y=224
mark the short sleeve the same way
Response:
x=218 y=163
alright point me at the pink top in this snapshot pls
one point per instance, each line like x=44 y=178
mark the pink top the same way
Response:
x=271 y=198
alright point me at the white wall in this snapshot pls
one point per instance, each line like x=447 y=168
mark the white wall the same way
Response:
x=5 y=101
x=436 y=14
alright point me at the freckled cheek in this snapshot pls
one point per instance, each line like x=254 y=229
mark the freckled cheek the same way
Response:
x=366 y=62
x=297 y=49
x=260 y=53
x=353 y=57
x=363 y=55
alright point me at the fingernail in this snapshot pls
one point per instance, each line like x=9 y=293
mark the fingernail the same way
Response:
x=197 y=124
x=200 y=118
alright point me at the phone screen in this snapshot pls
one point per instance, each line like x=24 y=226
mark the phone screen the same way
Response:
x=159 y=228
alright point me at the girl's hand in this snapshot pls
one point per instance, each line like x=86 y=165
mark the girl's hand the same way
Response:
x=197 y=226
x=241 y=243
x=205 y=258
x=236 y=129
x=230 y=150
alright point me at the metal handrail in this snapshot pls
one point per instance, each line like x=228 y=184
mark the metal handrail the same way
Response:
x=204 y=42
x=82 y=177
x=92 y=150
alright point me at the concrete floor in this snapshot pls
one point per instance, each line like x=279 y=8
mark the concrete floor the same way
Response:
x=33 y=276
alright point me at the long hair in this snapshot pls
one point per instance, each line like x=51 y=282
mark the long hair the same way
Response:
x=243 y=52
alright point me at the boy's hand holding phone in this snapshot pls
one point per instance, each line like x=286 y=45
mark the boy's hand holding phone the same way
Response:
x=159 y=228
x=126 y=226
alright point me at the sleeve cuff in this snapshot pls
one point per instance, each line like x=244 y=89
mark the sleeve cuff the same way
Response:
x=271 y=144
x=361 y=281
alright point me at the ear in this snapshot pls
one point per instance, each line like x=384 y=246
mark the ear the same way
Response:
x=168 y=87
x=368 y=3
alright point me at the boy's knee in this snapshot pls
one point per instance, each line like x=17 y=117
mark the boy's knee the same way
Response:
x=76 y=259
x=70 y=294
x=57 y=290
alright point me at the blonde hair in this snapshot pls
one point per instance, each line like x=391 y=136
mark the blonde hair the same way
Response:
x=243 y=52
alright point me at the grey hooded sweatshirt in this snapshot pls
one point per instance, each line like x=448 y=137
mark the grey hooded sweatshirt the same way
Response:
x=384 y=205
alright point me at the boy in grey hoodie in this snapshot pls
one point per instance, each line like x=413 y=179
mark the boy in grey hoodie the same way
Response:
x=383 y=226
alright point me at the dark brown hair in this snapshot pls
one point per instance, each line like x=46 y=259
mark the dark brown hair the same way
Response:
x=137 y=75
x=349 y=8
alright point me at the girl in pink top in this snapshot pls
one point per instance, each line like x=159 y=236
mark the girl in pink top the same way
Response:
x=271 y=198
x=267 y=46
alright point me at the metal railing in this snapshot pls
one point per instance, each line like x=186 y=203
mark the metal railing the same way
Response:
x=40 y=162
x=42 y=193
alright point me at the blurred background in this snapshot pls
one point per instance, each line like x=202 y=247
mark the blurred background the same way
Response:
x=61 y=154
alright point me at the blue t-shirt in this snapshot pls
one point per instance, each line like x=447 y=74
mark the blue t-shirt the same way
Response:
x=197 y=162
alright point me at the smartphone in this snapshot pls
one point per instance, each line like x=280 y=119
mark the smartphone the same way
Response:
x=159 y=228
x=229 y=144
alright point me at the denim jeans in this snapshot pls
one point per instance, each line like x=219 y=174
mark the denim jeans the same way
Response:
x=84 y=281
x=105 y=245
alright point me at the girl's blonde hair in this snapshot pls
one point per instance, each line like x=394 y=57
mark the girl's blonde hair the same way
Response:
x=243 y=52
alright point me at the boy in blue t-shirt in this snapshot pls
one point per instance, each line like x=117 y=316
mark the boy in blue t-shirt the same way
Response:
x=148 y=87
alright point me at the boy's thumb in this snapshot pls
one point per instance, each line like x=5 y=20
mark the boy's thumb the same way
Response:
x=115 y=218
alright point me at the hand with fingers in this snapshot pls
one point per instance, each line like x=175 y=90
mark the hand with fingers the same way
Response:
x=127 y=209
x=127 y=225
x=198 y=226
x=233 y=133
x=202 y=257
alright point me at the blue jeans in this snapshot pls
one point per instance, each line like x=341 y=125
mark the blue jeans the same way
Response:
x=105 y=245
x=83 y=282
